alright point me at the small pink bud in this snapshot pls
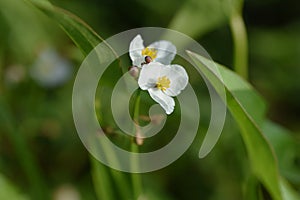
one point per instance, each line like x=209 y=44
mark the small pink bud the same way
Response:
x=139 y=139
x=134 y=71
x=148 y=59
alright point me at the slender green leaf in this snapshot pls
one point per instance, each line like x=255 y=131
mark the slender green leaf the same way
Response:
x=82 y=35
x=101 y=178
x=260 y=152
x=86 y=40
x=250 y=100
x=252 y=191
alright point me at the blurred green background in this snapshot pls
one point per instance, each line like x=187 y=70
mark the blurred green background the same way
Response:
x=38 y=64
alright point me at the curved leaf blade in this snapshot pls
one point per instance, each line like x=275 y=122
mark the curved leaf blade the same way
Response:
x=82 y=35
x=260 y=152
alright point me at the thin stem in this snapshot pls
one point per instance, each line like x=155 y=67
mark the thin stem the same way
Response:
x=136 y=178
x=137 y=107
x=102 y=184
x=240 y=41
x=116 y=177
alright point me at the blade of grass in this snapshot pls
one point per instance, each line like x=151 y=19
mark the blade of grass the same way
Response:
x=261 y=155
x=120 y=179
x=82 y=35
x=102 y=183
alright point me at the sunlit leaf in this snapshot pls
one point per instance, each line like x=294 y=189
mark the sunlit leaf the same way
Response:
x=287 y=192
x=196 y=18
x=202 y=16
x=260 y=152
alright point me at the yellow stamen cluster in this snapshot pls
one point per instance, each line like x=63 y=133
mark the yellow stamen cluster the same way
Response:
x=163 y=83
x=149 y=52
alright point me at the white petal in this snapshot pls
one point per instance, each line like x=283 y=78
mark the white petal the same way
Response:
x=135 y=50
x=178 y=78
x=149 y=75
x=152 y=71
x=166 y=102
x=166 y=51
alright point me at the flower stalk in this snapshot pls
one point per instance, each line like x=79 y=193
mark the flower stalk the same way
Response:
x=136 y=141
x=240 y=41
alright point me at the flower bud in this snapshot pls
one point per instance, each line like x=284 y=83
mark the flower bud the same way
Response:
x=148 y=59
x=133 y=71
x=139 y=140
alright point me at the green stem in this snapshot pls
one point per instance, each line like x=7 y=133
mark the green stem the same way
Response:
x=101 y=174
x=102 y=182
x=105 y=178
x=240 y=41
x=137 y=107
x=136 y=178
x=117 y=176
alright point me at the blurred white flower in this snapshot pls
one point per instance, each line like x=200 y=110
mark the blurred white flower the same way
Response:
x=163 y=82
x=134 y=71
x=161 y=51
x=50 y=69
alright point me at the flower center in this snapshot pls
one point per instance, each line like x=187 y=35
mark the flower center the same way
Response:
x=163 y=83
x=149 y=52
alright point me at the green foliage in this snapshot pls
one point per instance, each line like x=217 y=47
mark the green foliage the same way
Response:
x=286 y=148
x=86 y=39
x=8 y=191
x=203 y=16
x=82 y=35
x=10 y=10
x=261 y=155
x=272 y=150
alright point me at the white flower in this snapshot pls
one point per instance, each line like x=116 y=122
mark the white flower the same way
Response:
x=161 y=51
x=50 y=69
x=163 y=82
